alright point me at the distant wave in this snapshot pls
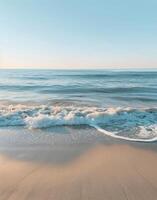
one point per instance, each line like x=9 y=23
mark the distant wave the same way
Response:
x=83 y=74
x=123 y=123
x=76 y=88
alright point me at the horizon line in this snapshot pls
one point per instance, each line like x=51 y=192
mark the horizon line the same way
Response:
x=79 y=68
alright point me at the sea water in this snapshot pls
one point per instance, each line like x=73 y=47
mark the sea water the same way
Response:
x=118 y=103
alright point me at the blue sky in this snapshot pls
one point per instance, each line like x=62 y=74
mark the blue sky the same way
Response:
x=78 y=33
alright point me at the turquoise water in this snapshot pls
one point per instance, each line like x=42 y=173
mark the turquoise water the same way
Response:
x=93 y=86
x=122 y=104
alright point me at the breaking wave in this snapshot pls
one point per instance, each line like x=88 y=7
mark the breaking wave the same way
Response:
x=123 y=123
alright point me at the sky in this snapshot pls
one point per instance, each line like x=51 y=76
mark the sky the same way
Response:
x=78 y=33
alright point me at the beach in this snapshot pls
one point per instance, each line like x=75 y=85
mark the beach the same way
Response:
x=100 y=167
x=78 y=100
x=102 y=171
x=78 y=135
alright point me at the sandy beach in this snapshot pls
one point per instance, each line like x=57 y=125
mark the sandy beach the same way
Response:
x=103 y=171
x=78 y=135
x=78 y=100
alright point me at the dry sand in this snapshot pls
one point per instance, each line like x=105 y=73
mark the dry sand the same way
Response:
x=104 y=172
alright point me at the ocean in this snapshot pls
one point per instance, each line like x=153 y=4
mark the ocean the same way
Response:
x=118 y=103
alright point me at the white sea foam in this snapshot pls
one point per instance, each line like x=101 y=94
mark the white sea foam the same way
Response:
x=114 y=134
x=122 y=123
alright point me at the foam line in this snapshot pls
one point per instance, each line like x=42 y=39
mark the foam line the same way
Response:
x=121 y=137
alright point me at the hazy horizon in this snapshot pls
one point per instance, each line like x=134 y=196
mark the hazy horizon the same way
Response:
x=79 y=68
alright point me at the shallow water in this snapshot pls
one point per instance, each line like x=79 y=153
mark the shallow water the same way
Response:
x=122 y=104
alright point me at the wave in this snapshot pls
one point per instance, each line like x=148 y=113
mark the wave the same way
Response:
x=77 y=89
x=124 y=137
x=123 y=123
x=107 y=74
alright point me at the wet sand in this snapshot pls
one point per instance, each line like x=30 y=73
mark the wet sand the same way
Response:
x=101 y=172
